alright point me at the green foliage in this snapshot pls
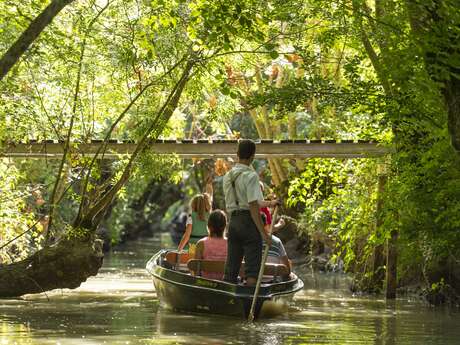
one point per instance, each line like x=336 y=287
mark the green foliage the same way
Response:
x=150 y=169
x=426 y=193
x=355 y=91
x=17 y=214
x=317 y=69
x=339 y=199
x=217 y=24
x=76 y=233
x=399 y=92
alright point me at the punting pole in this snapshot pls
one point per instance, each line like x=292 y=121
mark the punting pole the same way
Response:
x=261 y=271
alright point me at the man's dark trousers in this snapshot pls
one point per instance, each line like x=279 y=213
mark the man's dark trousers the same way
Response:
x=244 y=240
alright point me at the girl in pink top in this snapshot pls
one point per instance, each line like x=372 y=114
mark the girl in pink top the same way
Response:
x=213 y=247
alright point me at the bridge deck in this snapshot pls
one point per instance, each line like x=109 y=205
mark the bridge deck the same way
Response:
x=204 y=148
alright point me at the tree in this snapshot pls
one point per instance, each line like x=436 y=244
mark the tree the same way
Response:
x=435 y=26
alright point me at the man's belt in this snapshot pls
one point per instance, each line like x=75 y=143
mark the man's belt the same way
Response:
x=240 y=211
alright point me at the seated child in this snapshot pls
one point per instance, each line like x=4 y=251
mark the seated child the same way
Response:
x=200 y=206
x=213 y=247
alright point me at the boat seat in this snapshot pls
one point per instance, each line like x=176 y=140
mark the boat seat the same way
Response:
x=197 y=266
x=176 y=259
x=211 y=266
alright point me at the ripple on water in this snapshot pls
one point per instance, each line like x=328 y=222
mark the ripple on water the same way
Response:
x=119 y=306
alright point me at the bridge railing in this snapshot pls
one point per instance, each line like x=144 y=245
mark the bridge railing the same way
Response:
x=202 y=148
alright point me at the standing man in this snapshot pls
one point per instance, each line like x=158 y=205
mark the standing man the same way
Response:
x=243 y=199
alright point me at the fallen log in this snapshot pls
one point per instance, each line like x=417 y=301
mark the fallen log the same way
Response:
x=65 y=264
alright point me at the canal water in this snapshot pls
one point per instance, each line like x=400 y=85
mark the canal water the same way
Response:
x=119 y=306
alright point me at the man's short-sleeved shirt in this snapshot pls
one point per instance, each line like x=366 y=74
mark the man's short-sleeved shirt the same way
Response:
x=247 y=187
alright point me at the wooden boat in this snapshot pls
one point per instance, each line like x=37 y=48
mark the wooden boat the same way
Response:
x=180 y=287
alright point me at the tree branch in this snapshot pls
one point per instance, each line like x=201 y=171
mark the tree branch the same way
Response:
x=11 y=57
x=153 y=131
x=74 y=110
x=379 y=70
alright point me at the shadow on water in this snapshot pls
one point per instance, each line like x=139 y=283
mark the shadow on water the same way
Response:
x=119 y=306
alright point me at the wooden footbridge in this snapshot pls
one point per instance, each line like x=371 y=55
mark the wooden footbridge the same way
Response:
x=187 y=148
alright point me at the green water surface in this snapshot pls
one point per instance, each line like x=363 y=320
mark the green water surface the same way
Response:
x=119 y=306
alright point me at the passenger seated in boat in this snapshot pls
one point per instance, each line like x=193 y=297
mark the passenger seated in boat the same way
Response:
x=214 y=246
x=200 y=207
x=277 y=253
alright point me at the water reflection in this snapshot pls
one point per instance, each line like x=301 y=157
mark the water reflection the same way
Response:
x=119 y=306
x=203 y=329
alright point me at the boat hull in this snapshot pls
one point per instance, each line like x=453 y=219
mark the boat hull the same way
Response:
x=183 y=292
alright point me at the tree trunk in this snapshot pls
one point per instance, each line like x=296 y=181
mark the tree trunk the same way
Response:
x=426 y=19
x=275 y=178
x=376 y=60
x=392 y=256
x=66 y=264
x=292 y=126
x=379 y=257
x=279 y=167
x=19 y=47
x=452 y=98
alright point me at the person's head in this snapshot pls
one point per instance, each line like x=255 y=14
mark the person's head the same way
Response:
x=217 y=222
x=246 y=149
x=200 y=205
